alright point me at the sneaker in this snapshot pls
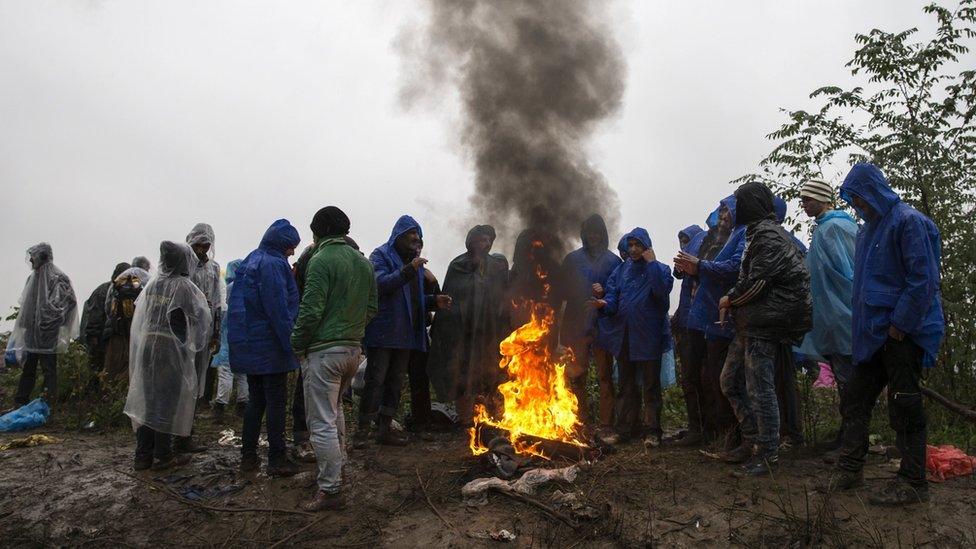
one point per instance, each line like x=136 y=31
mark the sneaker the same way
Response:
x=240 y=408
x=898 y=493
x=250 y=463
x=652 y=441
x=761 y=465
x=741 y=454
x=690 y=440
x=283 y=468
x=171 y=461
x=392 y=438
x=841 y=479
x=325 y=501
x=142 y=463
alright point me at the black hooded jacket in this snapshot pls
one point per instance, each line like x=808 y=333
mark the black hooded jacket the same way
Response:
x=771 y=299
x=94 y=321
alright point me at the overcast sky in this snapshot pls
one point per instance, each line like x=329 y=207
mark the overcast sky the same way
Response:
x=123 y=123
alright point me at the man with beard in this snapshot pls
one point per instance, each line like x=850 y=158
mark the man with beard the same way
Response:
x=771 y=306
x=398 y=329
x=46 y=322
x=463 y=362
x=584 y=271
x=94 y=324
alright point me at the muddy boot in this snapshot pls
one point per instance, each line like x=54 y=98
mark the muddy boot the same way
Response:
x=217 y=412
x=250 y=463
x=841 y=479
x=761 y=465
x=281 y=467
x=142 y=463
x=898 y=493
x=240 y=408
x=170 y=461
x=324 y=501
x=386 y=436
x=185 y=445
x=741 y=454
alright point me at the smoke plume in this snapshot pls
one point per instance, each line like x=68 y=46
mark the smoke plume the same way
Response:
x=535 y=78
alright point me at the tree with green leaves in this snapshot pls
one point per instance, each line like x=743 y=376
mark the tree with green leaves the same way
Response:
x=910 y=111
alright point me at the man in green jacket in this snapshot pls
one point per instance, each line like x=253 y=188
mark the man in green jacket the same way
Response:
x=338 y=301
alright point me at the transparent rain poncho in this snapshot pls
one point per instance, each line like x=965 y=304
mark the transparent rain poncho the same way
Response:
x=207 y=275
x=48 y=316
x=171 y=324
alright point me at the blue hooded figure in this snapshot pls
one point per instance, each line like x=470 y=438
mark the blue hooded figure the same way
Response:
x=896 y=269
x=263 y=304
x=222 y=358
x=693 y=236
x=715 y=278
x=780 y=206
x=401 y=320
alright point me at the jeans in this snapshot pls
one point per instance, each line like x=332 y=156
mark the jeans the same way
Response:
x=28 y=377
x=226 y=380
x=299 y=425
x=788 y=396
x=842 y=367
x=604 y=371
x=718 y=417
x=897 y=365
x=153 y=444
x=419 y=388
x=691 y=353
x=327 y=374
x=748 y=382
x=384 y=381
x=268 y=395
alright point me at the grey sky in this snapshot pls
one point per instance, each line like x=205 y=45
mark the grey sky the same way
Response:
x=124 y=123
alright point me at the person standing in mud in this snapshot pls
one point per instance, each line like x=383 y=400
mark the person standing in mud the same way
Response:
x=585 y=271
x=340 y=298
x=398 y=329
x=120 y=308
x=417 y=376
x=716 y=267
x=46 y=322
x=534 y=276
x=94 y=326
x=638 y=295
x=464 y=356
x=898 y=326
x=771 y=307
x=171 y=325
x=206 y=276
x=226 y=378
x=690 y=348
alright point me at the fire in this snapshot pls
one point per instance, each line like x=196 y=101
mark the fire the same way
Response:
x=538 y=402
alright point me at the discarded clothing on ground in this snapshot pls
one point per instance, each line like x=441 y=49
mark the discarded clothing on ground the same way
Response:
x=29 y=416
x=476 y=491
x=945 y=462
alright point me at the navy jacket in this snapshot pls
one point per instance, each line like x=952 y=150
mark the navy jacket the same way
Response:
x=688 y=283
x=715 y=279
x=262 y=306
x=896 y=269
x=581 y=269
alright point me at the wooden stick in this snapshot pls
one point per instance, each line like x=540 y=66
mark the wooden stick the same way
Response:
x=538 y=505
x=967 y=413
x=431 y=504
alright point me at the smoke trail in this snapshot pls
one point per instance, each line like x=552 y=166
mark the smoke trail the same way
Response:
x=534 y=77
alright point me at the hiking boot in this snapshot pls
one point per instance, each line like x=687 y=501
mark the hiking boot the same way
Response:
x=652 y=441
x=303 y=453
x=741 y=454
x=325 y=501
x=142 y=463
x=360 y=439
x=217 y=412
x=240 y=408
x=185 y=445
x=898 y=493
x=250 y=463
x=170 y=461
x=840 y=480
x=761 y=465
x=389 y=437
x=283 y=468
x=690 y=440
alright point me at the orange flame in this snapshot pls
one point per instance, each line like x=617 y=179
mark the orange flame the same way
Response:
x=538 y=401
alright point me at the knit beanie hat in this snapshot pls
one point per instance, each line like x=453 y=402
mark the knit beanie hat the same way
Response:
x=330 y=221
x=818 y=190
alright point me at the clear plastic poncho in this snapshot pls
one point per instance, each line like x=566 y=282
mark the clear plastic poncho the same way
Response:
x=48 y=316
x=207 y=274
x=171 y=324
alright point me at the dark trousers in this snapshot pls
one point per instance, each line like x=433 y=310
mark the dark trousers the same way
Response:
x=788 y=396
x=153 y=444
x=629 y=402
x=96 y=363
x=582 y=352
x=268 y=395
x=897 y=365
x=299 y=425
x=384 y=381
x=691 y=353
x=719 y=419
x=419 y=389
x=210 y=381
x=28 y=377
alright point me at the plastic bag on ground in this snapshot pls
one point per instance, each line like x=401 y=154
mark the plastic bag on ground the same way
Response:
x=945 y=462
x=476 y=491
x=29 y=416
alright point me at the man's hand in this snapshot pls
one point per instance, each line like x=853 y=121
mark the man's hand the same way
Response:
x=725 y=303
x=598 y=303
x=895 y=333
x=418 y=262
x=649 y=255
x=444 y=302
x=598 y=291
x=686 y=263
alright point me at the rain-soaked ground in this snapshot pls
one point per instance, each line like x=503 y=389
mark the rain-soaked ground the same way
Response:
x=82 y=491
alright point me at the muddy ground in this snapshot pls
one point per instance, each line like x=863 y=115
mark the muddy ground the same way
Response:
x=82 y=491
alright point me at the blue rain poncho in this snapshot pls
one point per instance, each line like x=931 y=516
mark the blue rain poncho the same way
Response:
x=831 y=264
x=896 y=269
x=715 y=278
x=779 y=205
x=688 y=283
x=222 y=358
x=581 y=269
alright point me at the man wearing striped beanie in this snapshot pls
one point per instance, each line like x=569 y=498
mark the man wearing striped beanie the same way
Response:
x=831 y=265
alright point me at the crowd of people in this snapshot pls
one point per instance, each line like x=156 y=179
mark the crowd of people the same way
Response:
x=753 y=299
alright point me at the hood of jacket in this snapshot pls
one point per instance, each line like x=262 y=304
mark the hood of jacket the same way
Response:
x=280 y=237
x=868 y=183
x=119 y=269
x=595 y=223
x=690 y=232
x=730 y=203
x=640 y=234
x=40 y=254
x=753 y=202
x=201 y=233
x=779 y=206
x=231 y=273
x=403 y=226
x=712 y=221
x=175 y=260
x=480 y=230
